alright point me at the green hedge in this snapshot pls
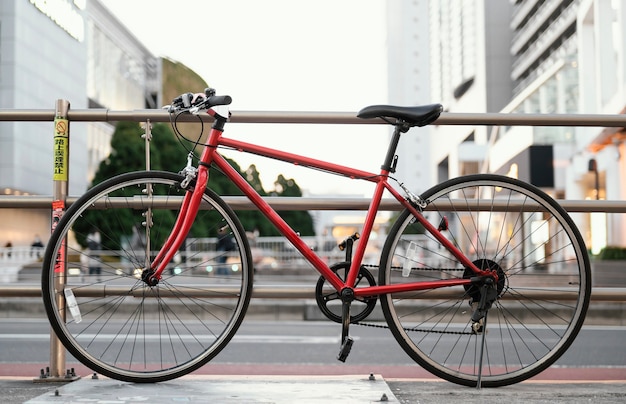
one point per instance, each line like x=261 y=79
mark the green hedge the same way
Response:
x=612 y=253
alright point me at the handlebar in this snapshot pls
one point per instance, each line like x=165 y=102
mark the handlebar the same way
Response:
x=194 y=102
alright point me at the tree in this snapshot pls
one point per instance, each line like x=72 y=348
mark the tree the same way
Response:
x=254 y=178
x=253 y=220
x=128 y=154
x=169 y=154
x=301 y=221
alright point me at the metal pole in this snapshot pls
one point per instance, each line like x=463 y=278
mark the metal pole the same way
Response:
x=60 y=176
x=148 y=212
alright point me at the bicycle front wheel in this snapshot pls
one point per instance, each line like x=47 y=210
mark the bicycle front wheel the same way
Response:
x=543 y=290
x=115 y=323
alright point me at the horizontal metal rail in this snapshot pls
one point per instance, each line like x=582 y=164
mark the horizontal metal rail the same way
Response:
x=285 y=203
x=319 y=203
x=303 y=117
x=303 y=292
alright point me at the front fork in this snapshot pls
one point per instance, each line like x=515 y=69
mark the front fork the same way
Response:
x=189 y=208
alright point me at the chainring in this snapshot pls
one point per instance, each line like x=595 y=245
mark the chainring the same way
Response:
x=329 y=300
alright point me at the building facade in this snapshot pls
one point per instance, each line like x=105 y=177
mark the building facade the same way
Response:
x=122 y=74
x=73 y=50
x=470 y=63
x=598 y=167
x=545 y=80
x=557 y=57
x=569 y=58
x=408 y=69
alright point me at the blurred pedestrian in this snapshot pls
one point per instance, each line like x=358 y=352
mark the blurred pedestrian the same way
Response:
x=94 y=246
x=225 y=243
x=36 y=247
x=8 y=246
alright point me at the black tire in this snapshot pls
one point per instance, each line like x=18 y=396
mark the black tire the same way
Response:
x=542 y=298
x=121 y=327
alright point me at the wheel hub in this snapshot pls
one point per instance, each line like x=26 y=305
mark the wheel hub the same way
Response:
x=148 y=277
x=486 y=265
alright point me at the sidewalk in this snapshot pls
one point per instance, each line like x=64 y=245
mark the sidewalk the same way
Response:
x=305 y=389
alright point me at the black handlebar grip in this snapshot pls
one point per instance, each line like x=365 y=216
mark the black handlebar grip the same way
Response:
x=220 y=100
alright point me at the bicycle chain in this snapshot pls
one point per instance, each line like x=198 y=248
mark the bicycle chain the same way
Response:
x=416 y=329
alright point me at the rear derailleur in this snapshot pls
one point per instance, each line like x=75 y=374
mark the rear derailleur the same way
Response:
x=488 y=295
x=484 y=291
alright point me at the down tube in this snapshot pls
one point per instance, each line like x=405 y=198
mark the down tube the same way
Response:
x=278 y=221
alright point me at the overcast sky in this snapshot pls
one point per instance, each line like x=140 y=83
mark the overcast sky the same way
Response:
x=281 y=55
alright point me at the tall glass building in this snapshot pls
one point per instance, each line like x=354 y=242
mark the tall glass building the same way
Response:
x=533 y=56
x=62 y=49
x=470 y=64
x=569 y=58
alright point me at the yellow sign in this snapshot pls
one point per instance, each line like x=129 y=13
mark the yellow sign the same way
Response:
x=61 y=146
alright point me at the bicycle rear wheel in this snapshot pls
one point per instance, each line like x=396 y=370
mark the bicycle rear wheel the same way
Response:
x=111 y=320
x=532 y=243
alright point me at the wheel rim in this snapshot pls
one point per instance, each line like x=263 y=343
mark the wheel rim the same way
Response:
x=127 y=329
x=528 y=327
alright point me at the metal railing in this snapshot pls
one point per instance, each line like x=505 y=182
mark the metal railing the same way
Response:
x=302 y=203
x=318 y=203
x=57 y=359
x=301 y=117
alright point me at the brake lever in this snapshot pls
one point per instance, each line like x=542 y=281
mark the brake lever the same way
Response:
x=194 y=110
x=194 y=103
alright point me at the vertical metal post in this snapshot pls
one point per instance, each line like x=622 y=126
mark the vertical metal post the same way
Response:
x=148 y=213
x=60 y=178
x=147 y=136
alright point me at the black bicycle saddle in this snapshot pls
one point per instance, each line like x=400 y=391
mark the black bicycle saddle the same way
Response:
x=415 y=116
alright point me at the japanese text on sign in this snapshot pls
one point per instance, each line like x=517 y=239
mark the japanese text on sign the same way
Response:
x=61 y=143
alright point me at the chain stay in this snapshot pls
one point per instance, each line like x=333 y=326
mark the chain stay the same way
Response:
x=416 y=329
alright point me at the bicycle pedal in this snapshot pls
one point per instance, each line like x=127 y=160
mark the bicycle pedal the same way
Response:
x=345 y=349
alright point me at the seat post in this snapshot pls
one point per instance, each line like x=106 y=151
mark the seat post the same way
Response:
x=390 y=160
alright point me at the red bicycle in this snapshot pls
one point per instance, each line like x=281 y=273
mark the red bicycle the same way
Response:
x=471 y=249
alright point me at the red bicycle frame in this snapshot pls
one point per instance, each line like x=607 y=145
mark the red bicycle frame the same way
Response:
x=210 y=155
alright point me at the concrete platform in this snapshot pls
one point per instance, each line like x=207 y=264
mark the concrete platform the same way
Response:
x=308 y=389
x=222 y=389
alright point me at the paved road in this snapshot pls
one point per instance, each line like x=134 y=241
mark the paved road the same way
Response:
x=285 y=344
x=592 y=370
